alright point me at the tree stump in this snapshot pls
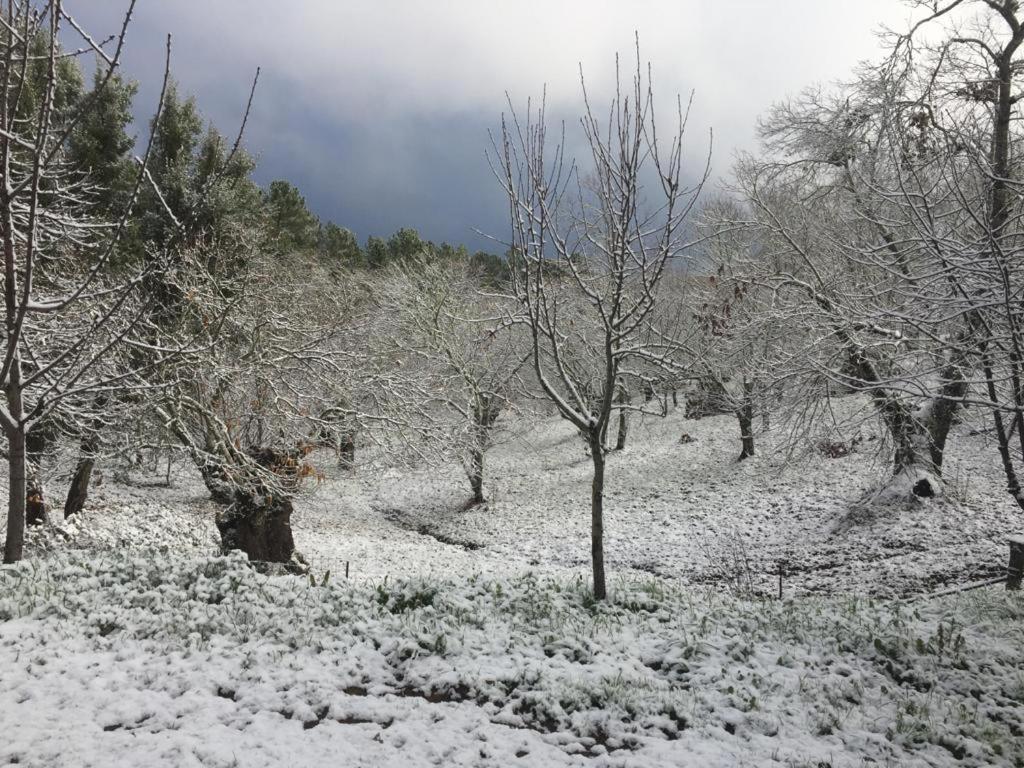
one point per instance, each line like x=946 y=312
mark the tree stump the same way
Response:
x=259 y=524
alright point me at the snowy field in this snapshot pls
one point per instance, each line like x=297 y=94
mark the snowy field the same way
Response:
x=688 y=513
x=152 y=660
x=466 y=636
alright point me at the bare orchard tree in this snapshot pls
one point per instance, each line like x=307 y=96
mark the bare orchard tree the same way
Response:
x=443 y=320
x=65 y=310
x=587 y=259
x=737 y=337
x=962 y=62
x=891 y=210
x=835 y=211
x=247 y=407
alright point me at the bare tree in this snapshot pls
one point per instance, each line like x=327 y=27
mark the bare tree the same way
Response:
x=735 y=329
x=446 y=322
x=834 y=208
x=66 y=312
x=247 y=406
x=888 y=212
x=587 y=259
x=964 y=92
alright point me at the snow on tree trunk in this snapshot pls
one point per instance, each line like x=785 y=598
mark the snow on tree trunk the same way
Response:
x=256 y=518
x=919 y=436
x=475 y=464
x=745 y=415
x=485 y=412
x=476 y=475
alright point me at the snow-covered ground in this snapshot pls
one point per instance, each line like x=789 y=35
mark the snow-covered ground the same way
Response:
x=681 y=511
x=465 y=637
x=158 y=660
x=686 y=512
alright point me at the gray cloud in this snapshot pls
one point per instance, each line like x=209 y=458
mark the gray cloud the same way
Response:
x=379 y=109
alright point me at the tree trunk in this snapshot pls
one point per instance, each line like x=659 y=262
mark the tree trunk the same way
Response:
x=254 y=520
x=258 y=523
x=35 y=495
x=912 y=457
x=1013 y=484
x=476 y=474
x=745 y=415
x=620 y=439
x=15 y=543
x=16 y=449
x=347 y=449
x=942 y=412
x=746 y=418
x=78 y=493
x=919 y=439
x=597 y=518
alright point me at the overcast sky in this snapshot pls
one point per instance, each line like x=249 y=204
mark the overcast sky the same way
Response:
x=378 y=110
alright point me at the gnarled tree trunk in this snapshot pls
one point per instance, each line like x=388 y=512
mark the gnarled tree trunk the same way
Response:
x=256 y=518
x=259 y=523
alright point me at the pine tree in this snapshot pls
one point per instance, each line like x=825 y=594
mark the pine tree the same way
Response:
x=100 y=144
x=176 y=137
x=290 y=225
x=339 y=247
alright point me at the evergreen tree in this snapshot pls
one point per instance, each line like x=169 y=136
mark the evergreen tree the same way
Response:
x=176 y=137
x=376 y=253
x=226 y=202
x=100 y=145
x=290 y=225
x=339 y=247
x=492 y=269
x=404 y=245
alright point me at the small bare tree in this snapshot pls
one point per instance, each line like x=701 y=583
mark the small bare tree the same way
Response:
x=444 y=320
x=587 y=259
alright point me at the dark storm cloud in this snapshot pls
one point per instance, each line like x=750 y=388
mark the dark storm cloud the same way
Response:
x=378 y=111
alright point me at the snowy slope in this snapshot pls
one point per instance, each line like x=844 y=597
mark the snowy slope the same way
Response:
x=684 y=512
x=688 y=513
